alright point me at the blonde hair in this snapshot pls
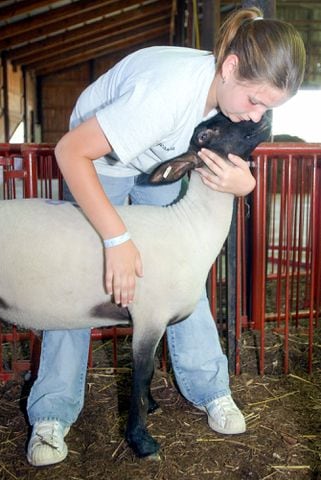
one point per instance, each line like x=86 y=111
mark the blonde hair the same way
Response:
x=269 y=50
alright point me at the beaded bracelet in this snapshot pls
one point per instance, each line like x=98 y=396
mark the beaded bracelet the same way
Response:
x=115 y=241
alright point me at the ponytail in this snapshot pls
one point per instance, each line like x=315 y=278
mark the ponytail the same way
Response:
x=269 y=50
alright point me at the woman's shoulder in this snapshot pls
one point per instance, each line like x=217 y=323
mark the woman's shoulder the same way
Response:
x=163 y=57
x=163 y=60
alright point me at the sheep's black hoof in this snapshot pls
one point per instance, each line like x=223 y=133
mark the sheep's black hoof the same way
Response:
x=152 y=405
x=143 y=444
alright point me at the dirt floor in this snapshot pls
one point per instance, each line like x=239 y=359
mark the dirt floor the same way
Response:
x=282 y=441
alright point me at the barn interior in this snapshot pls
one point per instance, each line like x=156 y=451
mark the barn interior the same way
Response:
x=50 y=51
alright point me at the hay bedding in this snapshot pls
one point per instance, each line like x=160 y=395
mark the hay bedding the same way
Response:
x=283 y=415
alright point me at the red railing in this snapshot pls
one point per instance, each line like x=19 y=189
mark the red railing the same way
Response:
x=277 y=279
x=29 y=171
x=286 y=242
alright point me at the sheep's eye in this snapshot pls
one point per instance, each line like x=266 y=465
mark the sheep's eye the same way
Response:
x=202 y=137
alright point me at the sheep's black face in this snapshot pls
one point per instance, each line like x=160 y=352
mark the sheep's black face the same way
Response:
x=223 y=136
x=220 y=135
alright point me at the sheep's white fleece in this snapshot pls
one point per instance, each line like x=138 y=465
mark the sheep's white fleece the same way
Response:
x=52 y=260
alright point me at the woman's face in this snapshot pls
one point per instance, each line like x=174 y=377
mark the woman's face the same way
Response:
x=244 y=100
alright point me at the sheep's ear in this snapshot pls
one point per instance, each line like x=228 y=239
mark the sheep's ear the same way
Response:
x=172 y=170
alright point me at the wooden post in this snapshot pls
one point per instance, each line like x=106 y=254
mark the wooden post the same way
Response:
x=211 y=19
x=268 y=7
x=5 y=97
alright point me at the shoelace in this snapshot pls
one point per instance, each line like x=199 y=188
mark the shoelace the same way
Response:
x=225 y=403
x=48 y=435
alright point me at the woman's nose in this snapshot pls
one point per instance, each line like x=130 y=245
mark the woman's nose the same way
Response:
x=257 y=114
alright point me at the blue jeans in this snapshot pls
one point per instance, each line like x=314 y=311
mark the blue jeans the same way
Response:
x=199 y=364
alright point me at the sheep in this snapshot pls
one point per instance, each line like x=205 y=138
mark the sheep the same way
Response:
x=52 y=261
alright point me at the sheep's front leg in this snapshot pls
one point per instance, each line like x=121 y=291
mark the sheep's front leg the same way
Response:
x=137 y=436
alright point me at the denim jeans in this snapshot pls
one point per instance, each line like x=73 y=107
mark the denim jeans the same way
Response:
x=198 y=362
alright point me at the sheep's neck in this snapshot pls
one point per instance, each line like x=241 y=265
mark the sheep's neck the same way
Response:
x=205 y=212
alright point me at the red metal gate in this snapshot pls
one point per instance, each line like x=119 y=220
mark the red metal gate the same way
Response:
x=282 y=268
x=30 y=171
x=286 y=242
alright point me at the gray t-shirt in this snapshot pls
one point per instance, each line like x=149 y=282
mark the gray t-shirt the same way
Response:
x=148 y=105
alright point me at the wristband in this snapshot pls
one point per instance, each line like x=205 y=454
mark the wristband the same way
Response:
x=115 y=241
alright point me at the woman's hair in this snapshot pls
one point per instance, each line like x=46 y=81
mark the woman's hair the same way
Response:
x=269 y=50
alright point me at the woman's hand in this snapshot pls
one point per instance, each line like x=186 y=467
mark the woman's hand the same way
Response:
x=123 y=264
x=234 y=177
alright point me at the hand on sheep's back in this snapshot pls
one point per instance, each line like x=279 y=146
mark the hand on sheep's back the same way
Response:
x=123 y=263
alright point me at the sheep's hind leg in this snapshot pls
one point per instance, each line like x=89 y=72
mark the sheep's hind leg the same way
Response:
x=137 y=436
x=152 y=404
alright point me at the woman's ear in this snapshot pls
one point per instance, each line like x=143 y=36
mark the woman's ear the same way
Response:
x=229 y=66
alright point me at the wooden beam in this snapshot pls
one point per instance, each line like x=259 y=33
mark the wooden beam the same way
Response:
x=60 y=19
x=42 y=20
x=100 y=29
x=118 y=32
x=140 y=40
x=22 y=7
x=211 y=19
x=95 y=49
x=5 y=93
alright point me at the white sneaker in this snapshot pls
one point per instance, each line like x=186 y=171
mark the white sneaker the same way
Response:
x=46 y=445
x=223 y=416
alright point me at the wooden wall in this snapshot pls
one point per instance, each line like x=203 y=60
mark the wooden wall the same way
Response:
x=46 y=102
x=57 y=97
x=307 y=21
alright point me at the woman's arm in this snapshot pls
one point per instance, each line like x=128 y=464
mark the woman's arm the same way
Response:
x=75 y=153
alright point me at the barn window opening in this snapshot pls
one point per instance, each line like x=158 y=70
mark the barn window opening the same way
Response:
x=18 y=135
x=299 y=116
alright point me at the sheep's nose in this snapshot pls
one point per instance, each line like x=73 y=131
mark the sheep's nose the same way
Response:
x=204 y=136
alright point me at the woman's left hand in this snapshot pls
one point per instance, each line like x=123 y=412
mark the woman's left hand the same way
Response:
x=230 y=177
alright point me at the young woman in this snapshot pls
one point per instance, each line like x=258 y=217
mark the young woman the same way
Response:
x=140 y=113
